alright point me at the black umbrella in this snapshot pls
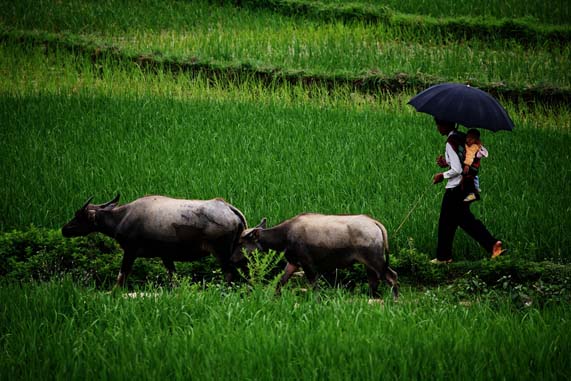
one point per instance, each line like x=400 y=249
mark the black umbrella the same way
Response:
x=463 y=104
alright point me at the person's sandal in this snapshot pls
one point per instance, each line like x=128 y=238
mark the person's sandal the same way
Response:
x=437 y=261
x=471 y=197
x=497 y=250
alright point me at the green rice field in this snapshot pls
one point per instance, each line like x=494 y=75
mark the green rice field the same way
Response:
x=57 y=330
x=72 y=131
x=281 y=107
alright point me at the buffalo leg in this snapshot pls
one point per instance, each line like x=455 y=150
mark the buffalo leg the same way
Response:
x=392 y=279
x=311 y=276
x=169 y=265
x=223 y=252
x=126 y=267
x=380 y=268
x=229 y=272
x=373 y=278
x=288 y=272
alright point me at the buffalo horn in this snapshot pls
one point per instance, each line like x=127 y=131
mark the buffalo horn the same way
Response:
x=87 y=202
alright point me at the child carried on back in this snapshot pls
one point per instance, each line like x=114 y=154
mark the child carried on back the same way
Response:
x=474 y=151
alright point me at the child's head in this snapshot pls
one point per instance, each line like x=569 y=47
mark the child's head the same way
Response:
x=472 y=137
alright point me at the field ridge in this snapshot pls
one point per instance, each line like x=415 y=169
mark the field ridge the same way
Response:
x=525 y=30
x=370 y=83
x=42 y=253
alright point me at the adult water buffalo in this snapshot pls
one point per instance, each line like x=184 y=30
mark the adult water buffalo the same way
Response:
x=321 y=243
x=158 y=226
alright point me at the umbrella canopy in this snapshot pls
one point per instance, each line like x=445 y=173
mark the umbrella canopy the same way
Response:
x=463 y=104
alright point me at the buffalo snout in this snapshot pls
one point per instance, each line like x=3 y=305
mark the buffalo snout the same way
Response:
x=74 y=229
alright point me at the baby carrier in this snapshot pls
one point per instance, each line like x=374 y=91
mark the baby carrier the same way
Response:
x=458 y=142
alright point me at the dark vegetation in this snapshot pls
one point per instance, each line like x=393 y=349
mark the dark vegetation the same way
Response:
x=43 y=255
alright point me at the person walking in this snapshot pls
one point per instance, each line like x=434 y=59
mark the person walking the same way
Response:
x=454 y=212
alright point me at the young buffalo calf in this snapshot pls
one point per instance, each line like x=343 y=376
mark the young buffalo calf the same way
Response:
x=321 y=243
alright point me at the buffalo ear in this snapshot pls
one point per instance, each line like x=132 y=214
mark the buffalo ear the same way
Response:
x=111 y=204
x=262 y=224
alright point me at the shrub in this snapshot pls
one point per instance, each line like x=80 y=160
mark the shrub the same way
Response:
x=42 y=254
x=262 y=267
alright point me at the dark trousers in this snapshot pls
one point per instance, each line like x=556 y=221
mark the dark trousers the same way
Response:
x=468 y=185
x=453 y=213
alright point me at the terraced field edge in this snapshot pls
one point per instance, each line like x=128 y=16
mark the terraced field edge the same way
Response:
x=367 y=83
x=524 y=30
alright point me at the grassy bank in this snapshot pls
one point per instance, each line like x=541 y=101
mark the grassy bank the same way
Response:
x=39 y=254
x=371 y=83
x=61 y=330
x=548 y=12
x=463 y=25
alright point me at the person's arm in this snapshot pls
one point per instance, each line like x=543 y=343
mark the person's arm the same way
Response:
x=454 y=162
x=455 y=166
x=482 y=152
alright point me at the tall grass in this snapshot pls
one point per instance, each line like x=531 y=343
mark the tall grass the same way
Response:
x=550 y=12
x=57 y=330
x=356 y=50
x=203 y=31
x=71 y=130
x=78 y=14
